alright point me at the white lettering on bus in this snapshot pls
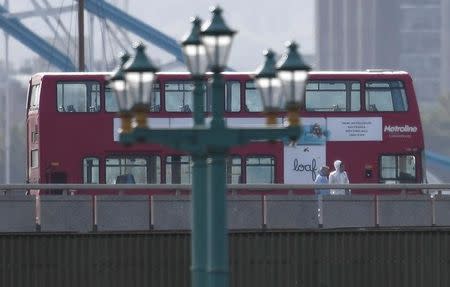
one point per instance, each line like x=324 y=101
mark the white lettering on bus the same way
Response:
x=400 y=129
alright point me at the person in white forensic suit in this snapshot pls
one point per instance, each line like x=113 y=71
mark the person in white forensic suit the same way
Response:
x=338 y=176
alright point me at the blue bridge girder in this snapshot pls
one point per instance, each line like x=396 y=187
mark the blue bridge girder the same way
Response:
x=27 y=37
x=102 y=9
x=437 y=158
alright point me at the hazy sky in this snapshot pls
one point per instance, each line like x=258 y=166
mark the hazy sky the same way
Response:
x=260 y=24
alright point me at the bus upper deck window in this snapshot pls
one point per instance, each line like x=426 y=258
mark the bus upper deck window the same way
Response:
x=232 y=96
x=386 y=96
x=234 y=169
x=178 y=96
x=78 y=97
x=253 y=101
x=332 y=96
x=111 y=104
x=35 y=95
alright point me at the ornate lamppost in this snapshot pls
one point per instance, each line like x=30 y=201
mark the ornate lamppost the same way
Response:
x=213 y=141
x=197 y=64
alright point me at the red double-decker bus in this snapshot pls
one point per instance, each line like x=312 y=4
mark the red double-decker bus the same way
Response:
x=369 y=120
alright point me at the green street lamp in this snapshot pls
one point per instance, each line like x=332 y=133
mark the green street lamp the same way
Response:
x=197 y=64
x=194 y=50
x=293 y=73
x=269 y=86
x=217 y=38
x=117 y=82
x=213 y=141
x=139 y=75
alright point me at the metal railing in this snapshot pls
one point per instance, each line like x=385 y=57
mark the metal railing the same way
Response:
x=261 y=187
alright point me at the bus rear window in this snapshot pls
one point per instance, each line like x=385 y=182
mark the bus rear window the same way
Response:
x=332 y=96
x=78 y=97
x=386 y=96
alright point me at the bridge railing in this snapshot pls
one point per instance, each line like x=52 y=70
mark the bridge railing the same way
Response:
x=250 y=207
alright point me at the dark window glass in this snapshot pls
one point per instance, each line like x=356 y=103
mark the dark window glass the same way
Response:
x=234 y=170
x=260 y=169
x=78 y=97
x=91 y=170
x=398 y=168
x=386 y=96
x=178 y=169
x=178 y=96
x=232 y=96
x=253 y=101
x=35 y=95
x=133 y=169
x=112 y=106
x=332 y=96
x=34 y=158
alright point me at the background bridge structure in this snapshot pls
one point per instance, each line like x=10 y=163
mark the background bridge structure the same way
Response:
x=12 y=25
x=59 y=53
x=15 y=28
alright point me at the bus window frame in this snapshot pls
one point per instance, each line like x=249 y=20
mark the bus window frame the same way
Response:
x=259 y=155
x=242 y=169
x=348 y=90
x=37 y=155
x=128 y=156
x=100 y=109
x=105 y=86
x=30 y=105
x=163 y=96
x=244 y=107
x=166 y=164
x=229 y=87
x=99 y=167
x=405 y=89
x=397 y=179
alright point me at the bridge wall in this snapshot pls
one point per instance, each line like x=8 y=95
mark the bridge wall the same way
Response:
x=140 y=213
x=408 y=257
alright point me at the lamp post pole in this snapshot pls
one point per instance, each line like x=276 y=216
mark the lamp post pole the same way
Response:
x=209 y=239
x=217 y=264
x=196 y=62
x=199 y=195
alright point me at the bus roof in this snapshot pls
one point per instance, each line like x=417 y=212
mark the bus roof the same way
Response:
x=352 y=72
x=327 y=75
